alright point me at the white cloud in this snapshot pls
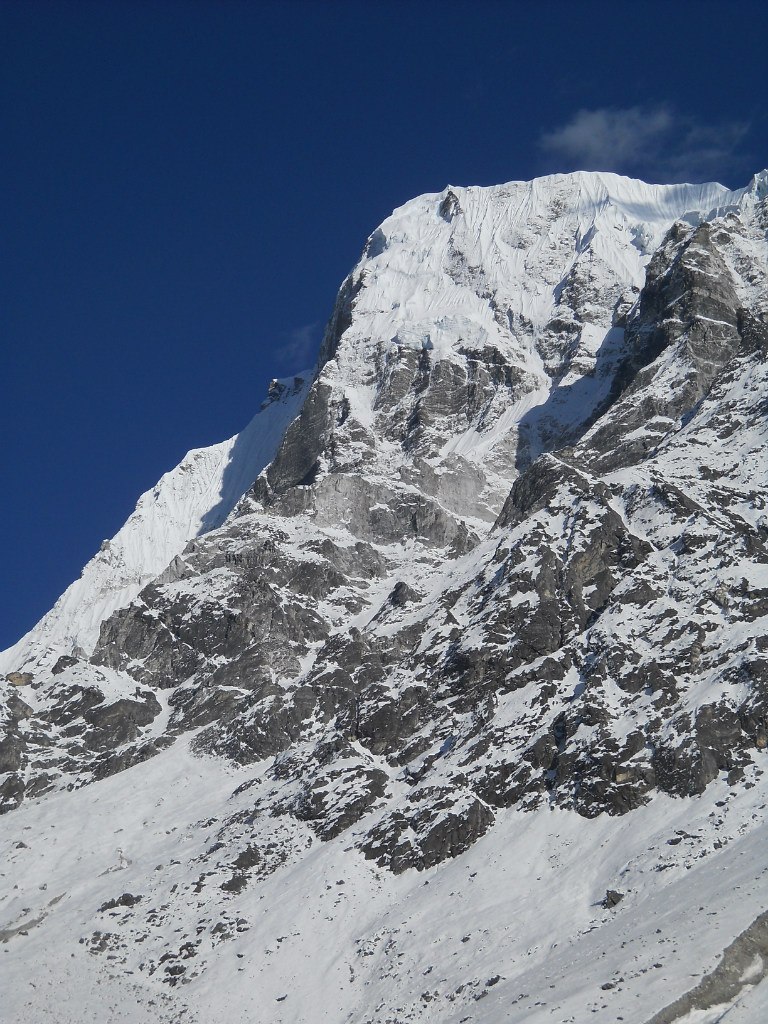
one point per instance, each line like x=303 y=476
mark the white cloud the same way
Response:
x=299 y=348
x=654 y=142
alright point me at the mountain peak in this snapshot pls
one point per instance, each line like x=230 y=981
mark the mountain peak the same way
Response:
x=371 y=692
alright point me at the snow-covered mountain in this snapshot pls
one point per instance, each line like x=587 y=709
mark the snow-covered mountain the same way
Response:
x=362 y=703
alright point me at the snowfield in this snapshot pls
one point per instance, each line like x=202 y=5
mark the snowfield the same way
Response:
x=514 y=930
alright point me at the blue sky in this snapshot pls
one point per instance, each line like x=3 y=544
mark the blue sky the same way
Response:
x=184 y=186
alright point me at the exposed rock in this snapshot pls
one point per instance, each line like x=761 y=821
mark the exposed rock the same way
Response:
x=64 y=662
x=744 y=963
x=19 y=678
x=612 y=899
x=449 y=206
x=126 y=900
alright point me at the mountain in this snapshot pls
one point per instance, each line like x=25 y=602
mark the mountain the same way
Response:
x=441 y=692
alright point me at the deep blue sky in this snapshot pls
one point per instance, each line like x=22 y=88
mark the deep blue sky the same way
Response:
x=183 y=186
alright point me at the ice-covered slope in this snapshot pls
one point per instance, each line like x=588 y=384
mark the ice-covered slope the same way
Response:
x=188 y=501
x=518 y=240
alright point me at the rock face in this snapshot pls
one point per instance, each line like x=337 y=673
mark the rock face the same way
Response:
x=509 y=549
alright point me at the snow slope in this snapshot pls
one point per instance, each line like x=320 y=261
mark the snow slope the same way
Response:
x=513 y=932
